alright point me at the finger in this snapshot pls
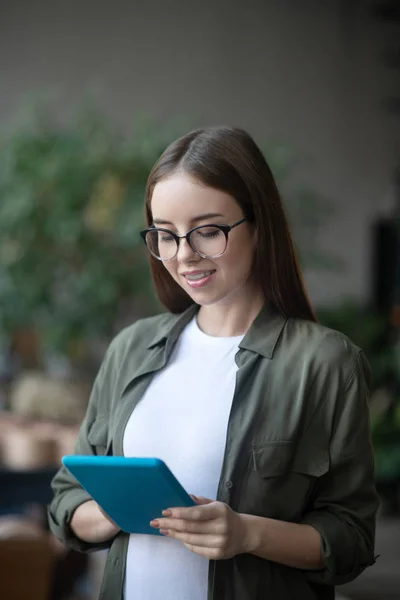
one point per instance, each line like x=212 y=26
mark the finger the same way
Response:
x=188 y=526
x=204 y=512
x=195 y=539
x=210 y=553
x=203 y=500
x=200 y=499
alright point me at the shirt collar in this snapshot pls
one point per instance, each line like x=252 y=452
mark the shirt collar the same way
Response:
x=175 y=324
x=261 y=338
x=264 y=332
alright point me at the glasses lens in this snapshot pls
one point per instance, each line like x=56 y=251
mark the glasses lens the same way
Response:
x=161 y=244
x=208 y=241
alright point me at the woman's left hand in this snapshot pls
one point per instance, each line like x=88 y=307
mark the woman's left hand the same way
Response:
x=211 y=529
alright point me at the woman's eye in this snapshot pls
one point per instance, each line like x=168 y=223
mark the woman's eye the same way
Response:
x=209 y=232
x=166 y=238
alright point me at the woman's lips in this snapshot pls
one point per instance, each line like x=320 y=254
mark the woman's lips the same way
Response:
x=196 y=279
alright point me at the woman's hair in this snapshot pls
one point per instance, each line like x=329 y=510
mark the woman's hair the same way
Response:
x=228 y=159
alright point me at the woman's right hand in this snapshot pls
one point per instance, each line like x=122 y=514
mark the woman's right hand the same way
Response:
x=90 y=524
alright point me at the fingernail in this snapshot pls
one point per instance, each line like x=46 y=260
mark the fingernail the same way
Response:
x=155 y=523
x=164 y=532
x=167 y=513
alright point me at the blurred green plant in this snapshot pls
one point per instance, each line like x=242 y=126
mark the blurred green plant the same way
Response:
x=385 y=427
x=71 y=209
x=71 y=260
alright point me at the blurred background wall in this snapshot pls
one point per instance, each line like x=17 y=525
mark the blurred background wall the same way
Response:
x=309 y=73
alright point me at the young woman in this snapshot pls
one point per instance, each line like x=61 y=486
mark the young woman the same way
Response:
x=259 y=411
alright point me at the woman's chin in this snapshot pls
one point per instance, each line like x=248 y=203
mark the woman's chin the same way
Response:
x=203 y=298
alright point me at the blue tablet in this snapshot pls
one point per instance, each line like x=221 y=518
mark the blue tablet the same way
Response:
x=131 y=491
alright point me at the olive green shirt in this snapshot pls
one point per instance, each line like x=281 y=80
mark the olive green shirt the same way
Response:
x=297 y=449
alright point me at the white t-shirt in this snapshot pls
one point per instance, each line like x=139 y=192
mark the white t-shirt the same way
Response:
x=182 y=419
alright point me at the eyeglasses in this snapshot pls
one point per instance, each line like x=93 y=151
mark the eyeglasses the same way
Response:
x=208 y=241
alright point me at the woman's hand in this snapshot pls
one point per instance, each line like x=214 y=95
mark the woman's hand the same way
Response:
x=211 y=529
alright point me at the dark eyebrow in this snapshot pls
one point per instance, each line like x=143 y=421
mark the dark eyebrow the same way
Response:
x=194 y=220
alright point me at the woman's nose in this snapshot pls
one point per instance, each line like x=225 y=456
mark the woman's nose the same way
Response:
x=185 y=252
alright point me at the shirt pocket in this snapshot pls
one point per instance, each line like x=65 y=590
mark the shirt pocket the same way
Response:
x=98 y=436
x=281 y=478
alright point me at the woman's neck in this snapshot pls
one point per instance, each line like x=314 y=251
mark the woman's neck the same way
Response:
x=226 y=319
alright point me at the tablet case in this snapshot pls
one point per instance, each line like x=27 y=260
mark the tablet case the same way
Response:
x=131 y=491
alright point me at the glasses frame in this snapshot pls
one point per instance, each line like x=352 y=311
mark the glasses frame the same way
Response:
x=226 y=229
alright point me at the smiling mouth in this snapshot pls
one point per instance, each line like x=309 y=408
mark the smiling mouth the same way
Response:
x=199 y=279
x=198 y=276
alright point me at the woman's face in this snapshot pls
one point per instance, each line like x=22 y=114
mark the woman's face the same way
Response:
x=180 y=203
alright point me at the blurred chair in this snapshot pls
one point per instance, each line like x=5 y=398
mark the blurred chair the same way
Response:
x=26 y=567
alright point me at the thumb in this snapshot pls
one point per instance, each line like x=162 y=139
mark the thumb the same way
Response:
x=200 y=499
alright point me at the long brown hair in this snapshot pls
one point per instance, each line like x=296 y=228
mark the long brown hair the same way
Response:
x=228 y=159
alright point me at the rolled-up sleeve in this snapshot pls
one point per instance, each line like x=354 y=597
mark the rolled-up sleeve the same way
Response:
x=345 y=501
x=68 y=494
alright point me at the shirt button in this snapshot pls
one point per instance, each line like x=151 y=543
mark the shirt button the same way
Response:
x=228 y=484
